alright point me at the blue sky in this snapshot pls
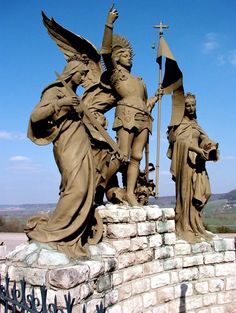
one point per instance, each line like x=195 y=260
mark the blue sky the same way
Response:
x=201 y=36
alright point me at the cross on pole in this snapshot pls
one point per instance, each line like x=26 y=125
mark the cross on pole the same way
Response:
x=161 y=26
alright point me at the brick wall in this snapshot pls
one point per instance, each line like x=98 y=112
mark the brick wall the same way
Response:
x=139 y=267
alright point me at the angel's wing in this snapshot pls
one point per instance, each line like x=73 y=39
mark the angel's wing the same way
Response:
x=74 y=46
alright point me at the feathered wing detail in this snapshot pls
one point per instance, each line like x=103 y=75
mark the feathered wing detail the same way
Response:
x=75 y=47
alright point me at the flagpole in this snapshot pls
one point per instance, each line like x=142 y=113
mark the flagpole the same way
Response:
x=160 y=26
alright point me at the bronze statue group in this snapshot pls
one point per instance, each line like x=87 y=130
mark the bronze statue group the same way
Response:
x=89 y=159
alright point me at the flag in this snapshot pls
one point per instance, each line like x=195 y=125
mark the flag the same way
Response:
x=172 y=82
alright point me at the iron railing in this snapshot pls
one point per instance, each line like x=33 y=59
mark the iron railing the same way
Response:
x=17 y=300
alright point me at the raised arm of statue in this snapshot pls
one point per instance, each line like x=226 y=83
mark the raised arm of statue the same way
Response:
x=106 y=50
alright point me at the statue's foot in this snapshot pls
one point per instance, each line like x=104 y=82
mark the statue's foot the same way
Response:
x=132 y=200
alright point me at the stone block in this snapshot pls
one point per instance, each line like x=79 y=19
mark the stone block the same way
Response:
x=133 y=305
x=111 y=298
x=188 y=274
x=169 y=238
x=224 y=244
x=155 y=241
x=225 y=269
x=144 y=256
x=229 y=256
x=121 y=245
x=183 y=290
x=165 y=227
x=165 y=294
x=147 y=228
x=140 y=286
x=138 y=243
x=132 y=273
x=216 y=285
x=67 y=278
x=160 y=280
x=114 y=309
x=104 y=283
x=209 y=299
x=169 y=213
x=96 y=268
x=201 y=287
x=125 y=291
x=34 y=276
x=226 y=297
x=189 y=261
x=206 y=271
x=121 y=230
x=201 y=247
x=218 y=309
x=212 y=258
x=182 y=248
x=110 y=264
x=230 y=283
x=117 y=279
x=164 y=252
x=173 y=263
x=115 y=215
x=194 y=302
x=127 y=259
x=153 y=267
x=95 y=305
x=153 y=213
x=86 y=290
x=102 y=249
x=149 y=299
x=137 y=215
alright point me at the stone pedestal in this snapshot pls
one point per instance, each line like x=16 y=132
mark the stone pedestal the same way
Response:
x=139 y=267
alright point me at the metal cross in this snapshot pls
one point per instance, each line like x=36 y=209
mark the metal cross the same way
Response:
x=161 y=26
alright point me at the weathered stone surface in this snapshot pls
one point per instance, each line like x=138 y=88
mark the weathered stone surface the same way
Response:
x=155 y=241
x=104 y=283
x=96 y=268
x=154 y=213
x=145 y=229
x=165 y=227
x=68 y=278
x=182 y=248
x=121 y=230
x=137 y=215
x=140 y=286
x=149 y=299
x=132 y=273
x=169 y=239
x=114 y=215
x=138 y=243
x=160 y=280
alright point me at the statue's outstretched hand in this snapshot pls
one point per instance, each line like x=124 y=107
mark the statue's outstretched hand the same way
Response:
x=112 y=16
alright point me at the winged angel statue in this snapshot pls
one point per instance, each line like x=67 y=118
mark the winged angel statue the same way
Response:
x=82 y=148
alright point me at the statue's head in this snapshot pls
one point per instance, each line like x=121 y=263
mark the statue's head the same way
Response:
x=122 y=51
x=75 y=70
x=190 y=105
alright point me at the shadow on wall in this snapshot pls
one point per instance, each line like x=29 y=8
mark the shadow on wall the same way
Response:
x=182 y=305
x=99 y=309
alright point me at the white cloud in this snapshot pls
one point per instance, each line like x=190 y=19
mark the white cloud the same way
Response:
x=19 y=158
x=210 y=43
x=5 y=135
x=229 y=157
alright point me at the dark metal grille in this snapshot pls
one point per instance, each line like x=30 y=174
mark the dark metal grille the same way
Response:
x=13 y=299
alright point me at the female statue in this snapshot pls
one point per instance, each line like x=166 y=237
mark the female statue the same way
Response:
x=57 y=119
x=189 y=150
x=132 y=118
